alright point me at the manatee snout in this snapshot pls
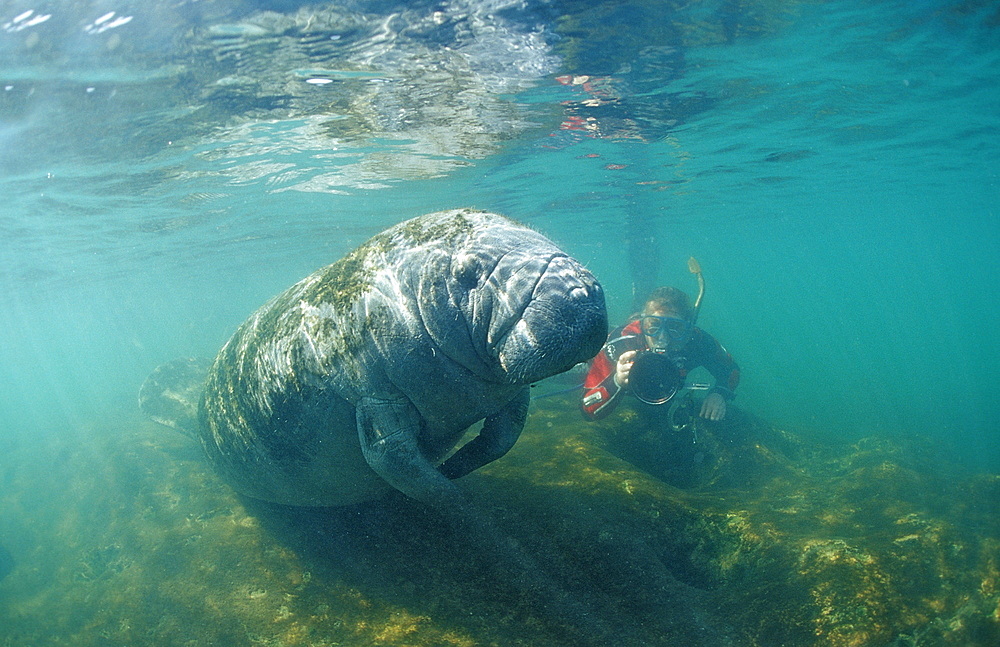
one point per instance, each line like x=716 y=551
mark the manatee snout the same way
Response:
x=570 y=297
x=565 y=323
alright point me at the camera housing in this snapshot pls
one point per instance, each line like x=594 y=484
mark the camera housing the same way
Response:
x=654 y=377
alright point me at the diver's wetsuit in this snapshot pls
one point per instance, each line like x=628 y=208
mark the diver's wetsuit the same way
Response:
x=600 y=391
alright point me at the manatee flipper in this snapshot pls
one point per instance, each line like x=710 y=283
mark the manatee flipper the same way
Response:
x=499 y=433
x=171 y=393
x=388 y=432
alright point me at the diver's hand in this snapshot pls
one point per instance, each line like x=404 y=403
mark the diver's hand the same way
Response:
x=624 y=367
x=714 y=407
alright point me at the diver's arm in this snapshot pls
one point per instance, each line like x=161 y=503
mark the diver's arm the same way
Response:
x=600 y=388
x=608 y=374
x=717 y=360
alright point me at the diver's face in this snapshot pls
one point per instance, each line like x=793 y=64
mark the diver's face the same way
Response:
x=664 y=330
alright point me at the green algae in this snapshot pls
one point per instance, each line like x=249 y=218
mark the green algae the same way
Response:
x=123 y=535
x=808 y=543
x=339 y=286
x=315 y=326
x=448 y=232
x=344 y=282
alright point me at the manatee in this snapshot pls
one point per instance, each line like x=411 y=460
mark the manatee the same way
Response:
x=365 y=375
x=171 y=393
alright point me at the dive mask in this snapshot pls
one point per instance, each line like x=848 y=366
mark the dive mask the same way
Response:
x=658 y=327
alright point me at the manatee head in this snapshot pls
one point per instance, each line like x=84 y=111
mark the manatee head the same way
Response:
x=518 y=309
x=546 y=314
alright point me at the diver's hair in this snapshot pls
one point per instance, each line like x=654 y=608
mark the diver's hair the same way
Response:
x=668 y=299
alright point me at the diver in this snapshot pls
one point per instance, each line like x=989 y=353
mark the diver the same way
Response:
x=650 y=357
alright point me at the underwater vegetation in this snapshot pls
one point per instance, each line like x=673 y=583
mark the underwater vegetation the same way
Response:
x=123 y=535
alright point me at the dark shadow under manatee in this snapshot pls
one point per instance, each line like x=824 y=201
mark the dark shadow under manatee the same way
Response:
x=401 y=553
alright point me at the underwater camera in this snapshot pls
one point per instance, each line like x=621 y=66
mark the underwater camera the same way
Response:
x=654 y=378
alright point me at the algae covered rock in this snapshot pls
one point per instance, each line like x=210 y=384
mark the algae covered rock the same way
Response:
x=875 y=542
x=124 y=536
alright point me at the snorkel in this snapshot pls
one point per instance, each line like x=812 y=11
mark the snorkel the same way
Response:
x=695 y=269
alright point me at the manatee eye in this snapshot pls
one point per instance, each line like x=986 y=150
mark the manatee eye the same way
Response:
x=466 y=271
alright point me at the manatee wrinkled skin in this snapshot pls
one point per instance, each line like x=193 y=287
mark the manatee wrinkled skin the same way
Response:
x=366 y=374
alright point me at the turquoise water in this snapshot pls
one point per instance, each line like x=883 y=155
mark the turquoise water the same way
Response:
x=832 y=165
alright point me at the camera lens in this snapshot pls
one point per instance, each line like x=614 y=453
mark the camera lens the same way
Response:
x=654 y=378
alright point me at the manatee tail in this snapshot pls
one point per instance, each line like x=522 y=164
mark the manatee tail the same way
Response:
x=171 y=393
